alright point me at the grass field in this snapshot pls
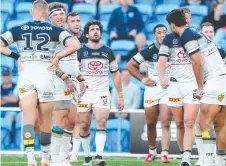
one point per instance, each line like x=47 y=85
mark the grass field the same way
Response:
x=11 y=161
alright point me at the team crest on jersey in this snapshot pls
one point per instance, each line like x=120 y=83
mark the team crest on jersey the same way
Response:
x=155 y=56
x=85 y=54
x=220 y=97
x=175 y=41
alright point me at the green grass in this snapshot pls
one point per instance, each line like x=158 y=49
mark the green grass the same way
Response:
x=17 y=161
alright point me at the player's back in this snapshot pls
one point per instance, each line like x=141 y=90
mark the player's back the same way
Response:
x=213 y=64
x=36 y=42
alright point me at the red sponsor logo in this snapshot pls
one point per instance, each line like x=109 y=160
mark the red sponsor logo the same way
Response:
x=182 y=58
x=95 y=65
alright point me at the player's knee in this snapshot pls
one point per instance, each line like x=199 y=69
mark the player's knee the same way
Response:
x=189 y=123
x=101 y=123
x=151 y=126
x=165 y=124
x=180 y=125
x=204 y=126
x=70 y=125
x=84 y=127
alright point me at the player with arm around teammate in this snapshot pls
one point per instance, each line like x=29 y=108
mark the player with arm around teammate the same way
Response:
x=36 y=42
x=96 y=60
x=155 y=97
x=208 y=67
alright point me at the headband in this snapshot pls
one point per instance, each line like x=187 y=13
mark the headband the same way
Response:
x=55 y=11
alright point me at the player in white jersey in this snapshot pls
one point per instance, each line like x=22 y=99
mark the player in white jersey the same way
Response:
x=208 y=67
x=96 y=61
x=155 y=97
x=64 y=118
x=36 y=42
x=182 y=88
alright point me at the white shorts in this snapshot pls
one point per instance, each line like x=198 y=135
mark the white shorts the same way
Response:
x=29 y=83
x=182 y=92
x=215 y=91
x=155 y=95
x=61 y=90
x=93 y=99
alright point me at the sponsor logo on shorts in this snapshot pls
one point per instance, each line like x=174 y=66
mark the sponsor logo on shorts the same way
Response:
x=47 y=95
x=67 y=93
x=220 y=97
x=174 y=100
x=22 y=90
x=148 y=101
x=83 y=105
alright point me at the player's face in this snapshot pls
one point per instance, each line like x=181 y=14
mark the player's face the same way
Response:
x=208 y=31
x=188 y=18
x=160 y=33
x=58 y=19
x=94 y=34
x=74 y=24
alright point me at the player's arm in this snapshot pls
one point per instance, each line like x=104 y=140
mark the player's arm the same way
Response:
x=7 y=39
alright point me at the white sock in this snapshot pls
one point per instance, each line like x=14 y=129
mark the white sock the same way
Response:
x=186 y=155
x=56 y=138
x=220 y=160
x=45 y=153
x=153 y=150
x=199 y=143
x=31 y=156
x=164 y=152
x=65 y=144
x=208 y=153
x=100 y=140
x=76 y=146
x=86 y=145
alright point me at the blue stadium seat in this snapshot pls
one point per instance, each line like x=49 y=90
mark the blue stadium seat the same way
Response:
x=18 y=135
x=4 y=17
x=106 y=11
x=7 y=7
x=198 y=13
x=2 y=27
x=13 y=23
x=162 y=10
x=145 y=10
x=86 y=11
x=122 y=47
x=147 y=2
x=177 y=2
x=23 y=11
x=6 y=128
x=7 y=62
x=224 y=9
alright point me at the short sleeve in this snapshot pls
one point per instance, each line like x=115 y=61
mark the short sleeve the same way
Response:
x=7 y=37
x=63 y=36
x=189 y=40
x=142 y=56
x=165 y=47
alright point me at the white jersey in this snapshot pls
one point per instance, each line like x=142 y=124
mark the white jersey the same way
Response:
x=181 y=68
x=95 y=65
x=213 y=64
x=149 y=55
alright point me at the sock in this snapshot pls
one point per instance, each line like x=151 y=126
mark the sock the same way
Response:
x=76 y=146
x=186 y=155
x=65 y=144
x=220 y=158
x=100 y=140
x=164 y=152
x=153 y=150
x=28 y=136
x=209 y=141
x=199 y=143
x=56 y=138
x=45 y=141
x=86 y=144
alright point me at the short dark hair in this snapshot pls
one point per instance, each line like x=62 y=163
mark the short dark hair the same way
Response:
x=93 y=22
x=177 y=16
x=71 y=14
x=56 y=5
x=206 y=24
x=158 y=26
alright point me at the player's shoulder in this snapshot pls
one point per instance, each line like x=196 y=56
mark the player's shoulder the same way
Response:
x=21 y=27
x=150 y=49
x=106 y=48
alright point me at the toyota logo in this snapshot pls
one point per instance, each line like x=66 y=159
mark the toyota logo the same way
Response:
x=181 y=55
x=95 y=65
x=25 y=27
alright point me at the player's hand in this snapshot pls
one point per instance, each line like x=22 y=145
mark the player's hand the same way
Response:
x=148 y=82
x=132 y=33
x=113 y=35
x=164 y=83
x=199 y=94
x=120 y=101
x=70 y=84
x=82 y=87
x=53 y=65
x=20 y=68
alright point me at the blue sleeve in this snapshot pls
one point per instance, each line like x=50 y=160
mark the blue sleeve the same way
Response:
x=189 y=41
x=79 y=52
x=165 y=47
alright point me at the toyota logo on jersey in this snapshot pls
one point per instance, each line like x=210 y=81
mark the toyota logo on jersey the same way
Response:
x=95 y=65
x=182 y=58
